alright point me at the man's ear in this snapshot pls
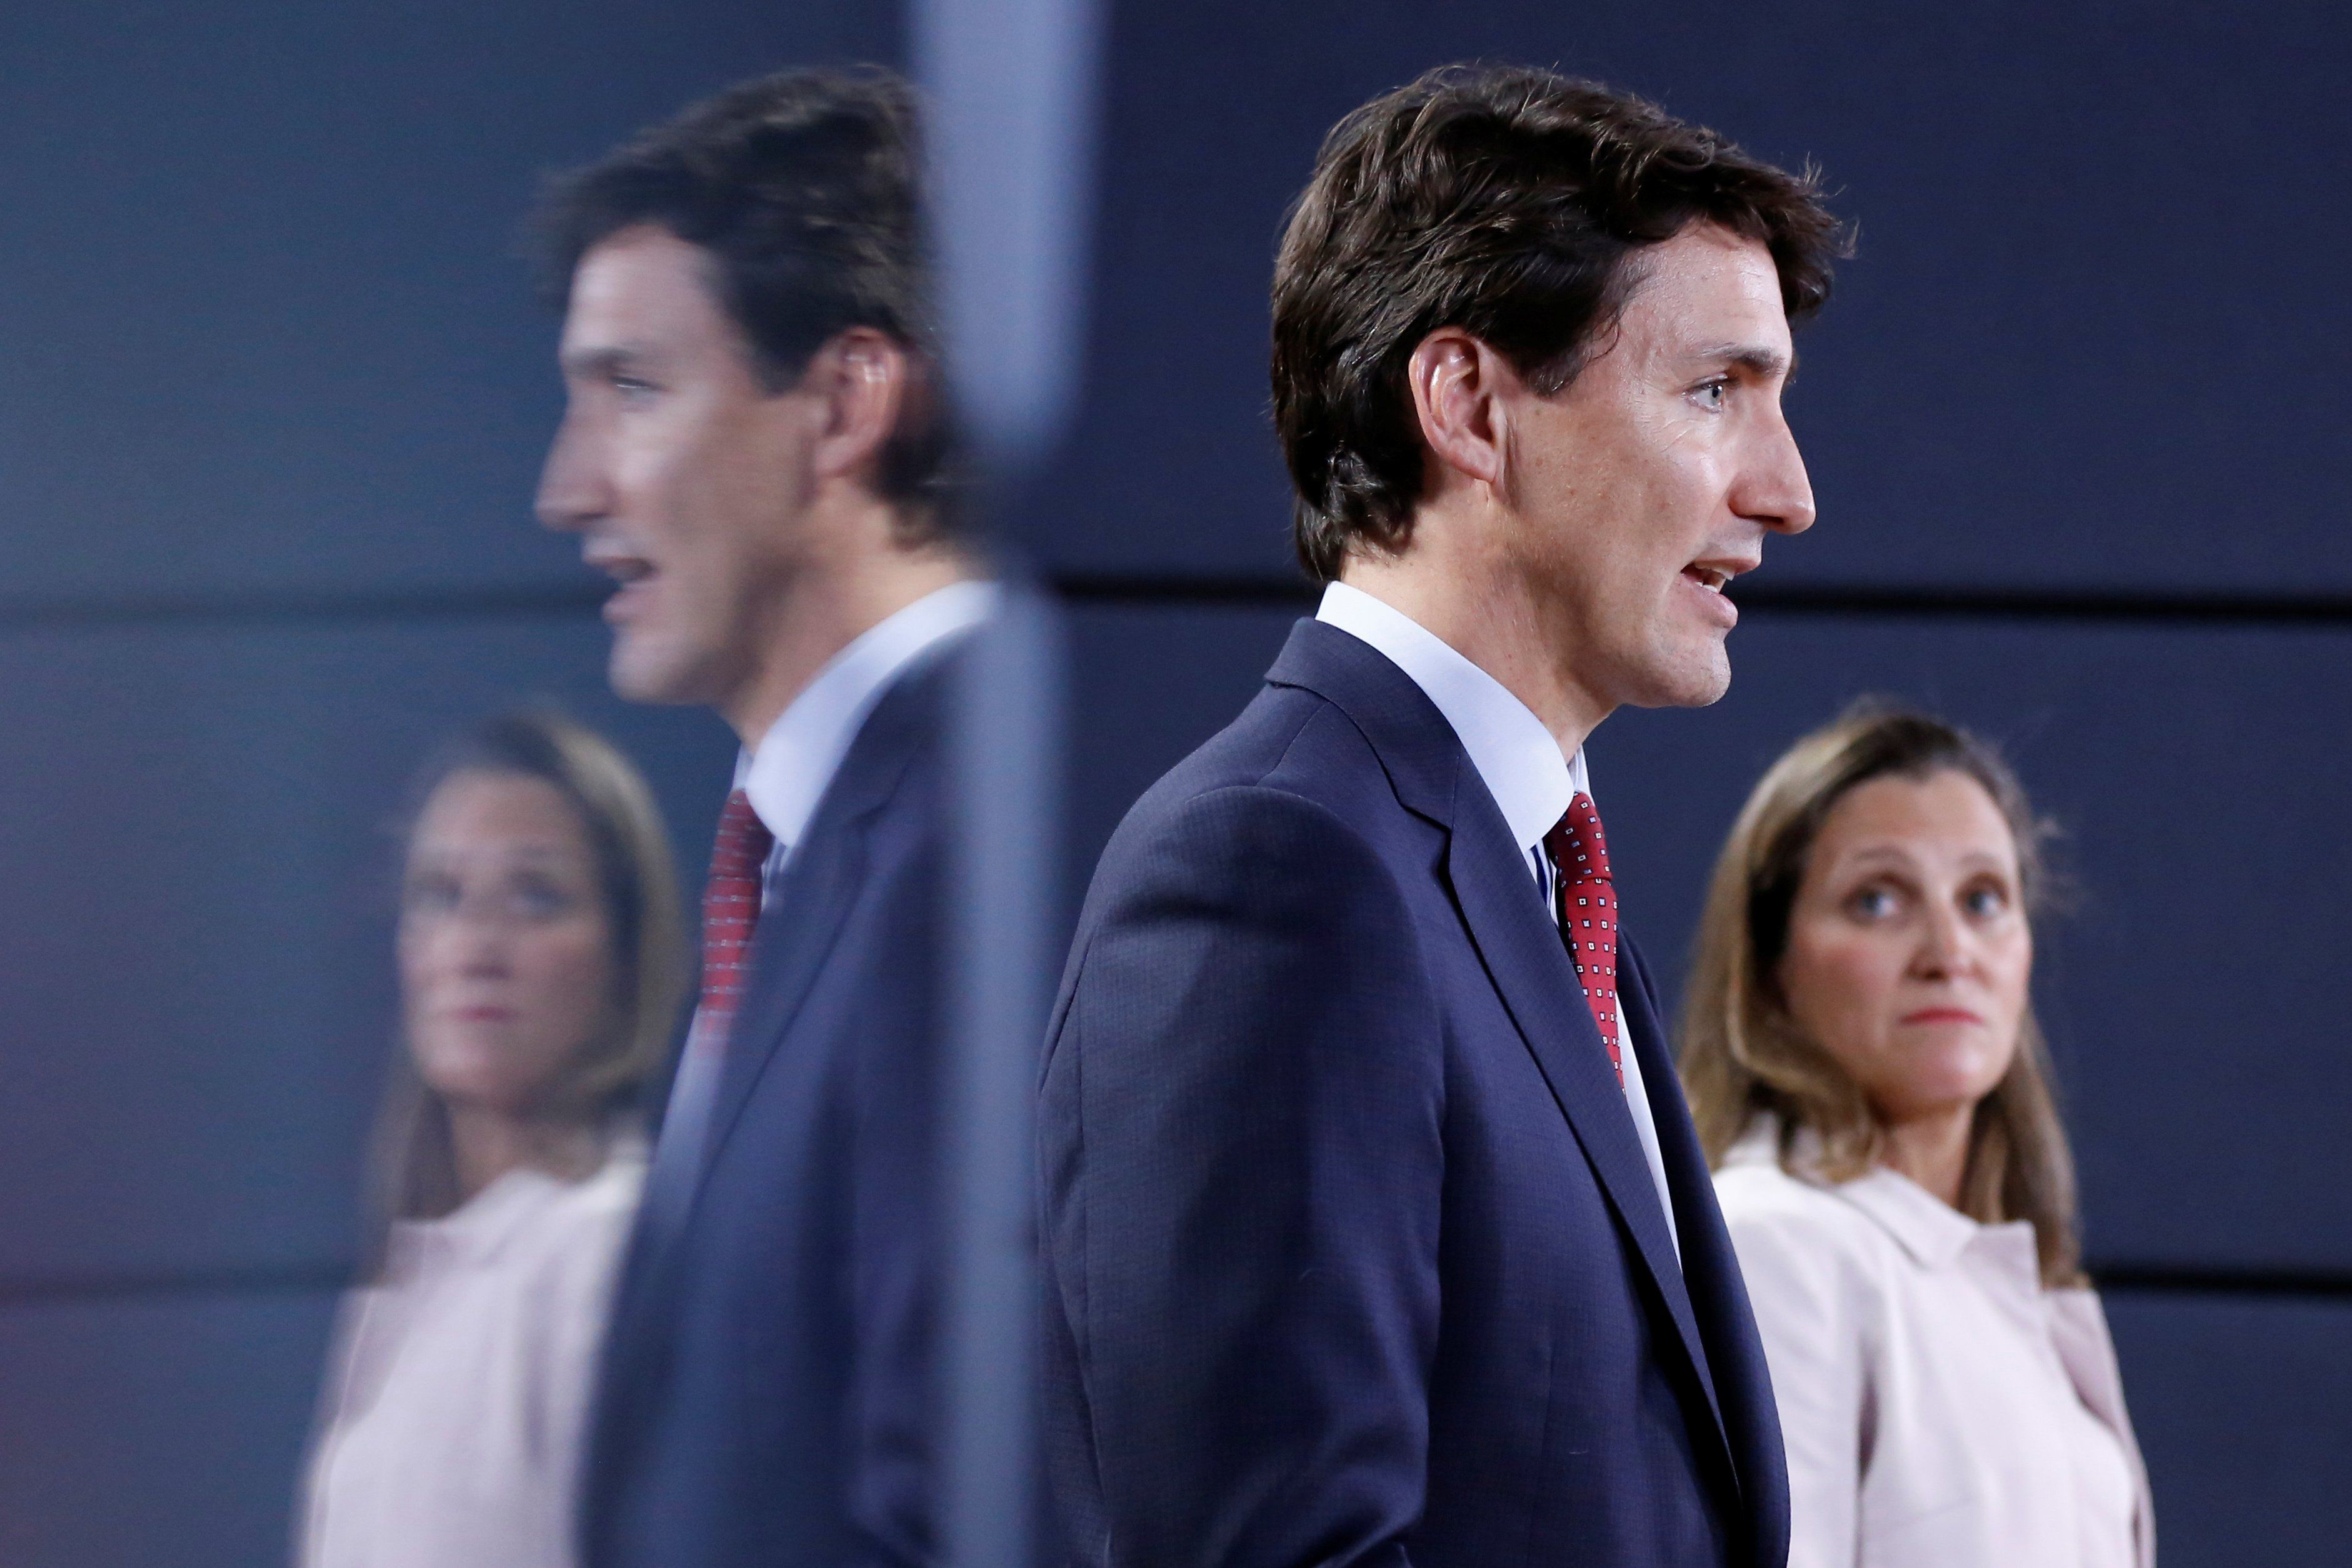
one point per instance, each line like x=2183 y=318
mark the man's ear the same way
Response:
x=1457 y=383
x=861 y=377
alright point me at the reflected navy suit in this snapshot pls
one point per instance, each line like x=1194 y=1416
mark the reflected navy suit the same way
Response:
x=766 y=1392
x=1352 y=1255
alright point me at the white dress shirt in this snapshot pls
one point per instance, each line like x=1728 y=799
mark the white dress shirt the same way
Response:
x=785 y=775
x=1941 y=1408
x=787 y=772
x=457 y=1399
x=1521 y=766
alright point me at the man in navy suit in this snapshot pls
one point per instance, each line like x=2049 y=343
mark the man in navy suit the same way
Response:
x=751 y=448
x=1376 y=1229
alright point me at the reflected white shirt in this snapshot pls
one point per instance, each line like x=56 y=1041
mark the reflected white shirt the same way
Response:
x=1522 y=768
x=457 y=1398
x=789 y=771
x=1940 y=1407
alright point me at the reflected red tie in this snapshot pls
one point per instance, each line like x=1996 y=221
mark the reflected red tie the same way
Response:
x=1588 y=916
x=731 y=908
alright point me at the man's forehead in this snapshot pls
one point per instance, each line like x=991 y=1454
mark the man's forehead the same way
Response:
x=1710 y=290
x=642 y=284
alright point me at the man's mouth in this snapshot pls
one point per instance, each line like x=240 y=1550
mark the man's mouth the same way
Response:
x=633 y=574
x=1710 y=578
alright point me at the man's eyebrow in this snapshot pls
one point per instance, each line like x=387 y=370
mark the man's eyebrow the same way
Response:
x=601 y=359
x=1763 y=363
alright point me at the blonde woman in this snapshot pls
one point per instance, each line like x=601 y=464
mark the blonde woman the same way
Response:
x=1861 y=1056
x=540 y=962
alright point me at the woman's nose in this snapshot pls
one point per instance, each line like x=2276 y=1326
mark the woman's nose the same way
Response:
x=480 y=942
x=1942 y=949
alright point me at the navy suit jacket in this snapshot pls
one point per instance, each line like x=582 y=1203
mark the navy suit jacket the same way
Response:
x=1352 y=1255
x=766 y=1391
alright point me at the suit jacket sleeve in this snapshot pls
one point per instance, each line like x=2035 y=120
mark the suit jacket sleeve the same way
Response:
x=1241 y=1122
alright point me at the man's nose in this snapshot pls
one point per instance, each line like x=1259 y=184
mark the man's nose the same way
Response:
x=1776 y=491
x=572 y=489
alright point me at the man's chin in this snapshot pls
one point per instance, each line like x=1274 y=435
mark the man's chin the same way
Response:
x=1697 y=678
x=640 y=673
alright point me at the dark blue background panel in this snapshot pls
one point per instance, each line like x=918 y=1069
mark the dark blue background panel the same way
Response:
x=2240 y=1405
x=196 y=838
x=156 y=1431
x=265 y=326
x=2082 y=344
x=270 y=335
x=2194 y=995
x=1148 y=684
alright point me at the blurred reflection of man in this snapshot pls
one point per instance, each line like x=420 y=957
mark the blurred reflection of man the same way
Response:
x=1376 y=1231
x=752 y=449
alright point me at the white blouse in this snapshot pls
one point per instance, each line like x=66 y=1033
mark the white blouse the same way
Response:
x=1941 y=1408
x=457 y=1398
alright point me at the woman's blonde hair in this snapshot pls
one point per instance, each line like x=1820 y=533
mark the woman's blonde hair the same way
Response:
x=1741 y=1057
x=603 y=1086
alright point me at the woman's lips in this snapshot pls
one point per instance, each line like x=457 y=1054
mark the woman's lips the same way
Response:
x=1942 y=1014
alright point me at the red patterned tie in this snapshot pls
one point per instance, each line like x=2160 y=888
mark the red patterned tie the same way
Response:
x=1588 y=916
x=730 y=907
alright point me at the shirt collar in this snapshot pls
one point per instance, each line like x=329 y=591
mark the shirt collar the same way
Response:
x=477 y=1229
x=1932 y=1231
x=1515 y=756
x=787 y=772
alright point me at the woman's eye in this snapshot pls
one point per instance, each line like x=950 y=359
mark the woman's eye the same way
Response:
x=1983 y=903
x=1873 y=903
x=430 y=895
x=539 y=900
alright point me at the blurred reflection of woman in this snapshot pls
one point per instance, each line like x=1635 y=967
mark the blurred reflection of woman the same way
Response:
x=1867 y=1077
x=541 y=967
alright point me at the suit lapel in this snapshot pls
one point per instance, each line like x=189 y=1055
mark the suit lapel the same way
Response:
x=1515 y=938
x=797 y=933
x=813 y=898
x=1677 y=1148
x=1530 y=968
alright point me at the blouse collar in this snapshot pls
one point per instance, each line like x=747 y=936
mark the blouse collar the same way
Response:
x=1932 y=1231
x=476 y=1230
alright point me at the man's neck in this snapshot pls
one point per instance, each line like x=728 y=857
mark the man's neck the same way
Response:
x=826 y=612
x=1490 y=619
x=833 y=602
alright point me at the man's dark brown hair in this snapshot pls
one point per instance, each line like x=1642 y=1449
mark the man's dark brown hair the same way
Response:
x=805 y=188
x=1508 y=202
